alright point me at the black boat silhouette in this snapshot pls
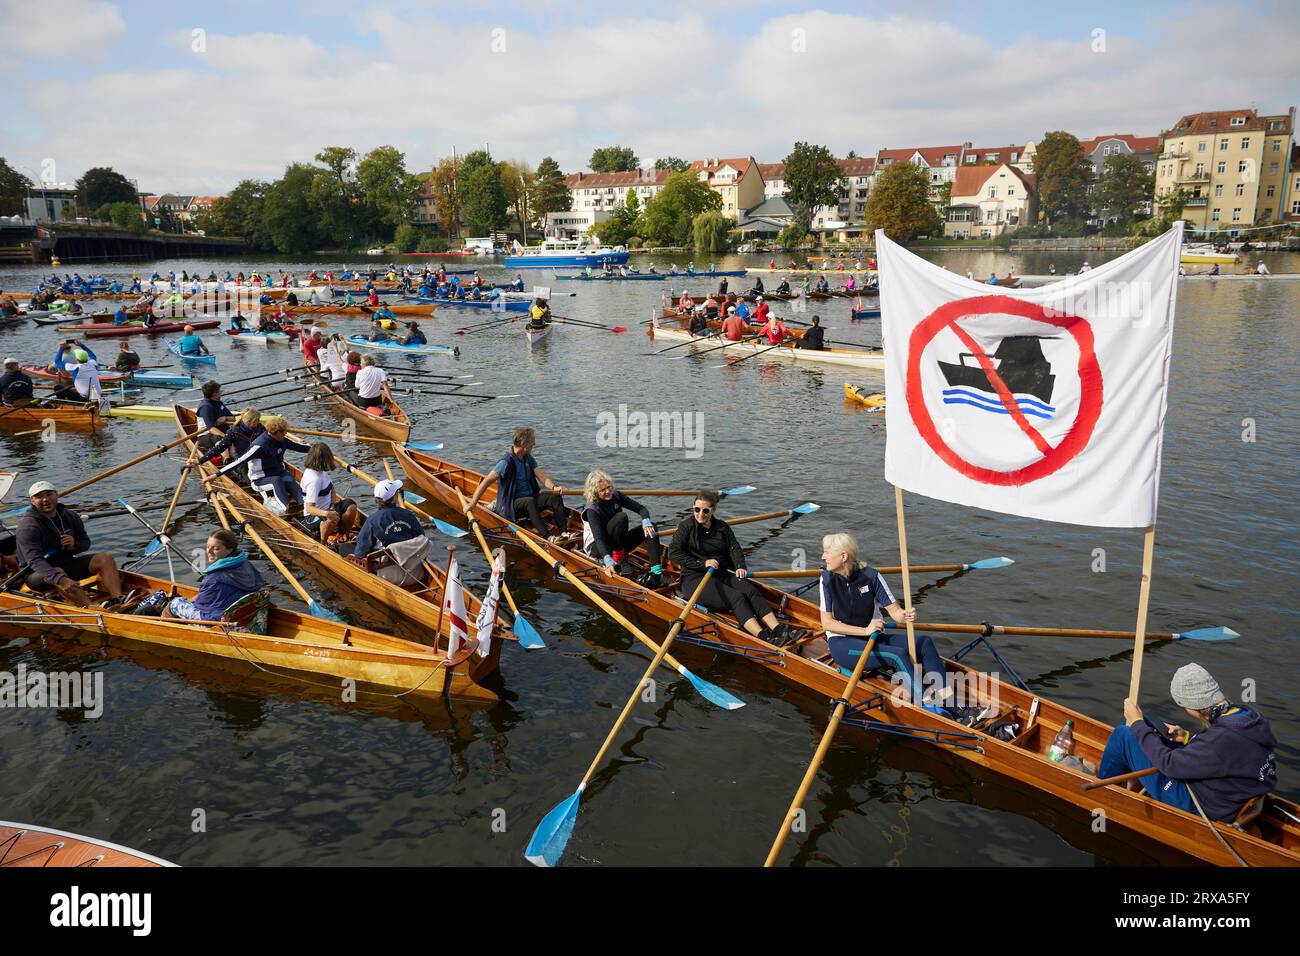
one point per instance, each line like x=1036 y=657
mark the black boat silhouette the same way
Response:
x=1019 y=362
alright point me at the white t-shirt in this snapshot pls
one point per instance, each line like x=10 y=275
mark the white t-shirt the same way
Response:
x=317 y=489
x=370 y=381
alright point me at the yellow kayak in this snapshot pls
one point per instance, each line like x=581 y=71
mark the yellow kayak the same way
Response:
x=142 y=411
x=855 y=393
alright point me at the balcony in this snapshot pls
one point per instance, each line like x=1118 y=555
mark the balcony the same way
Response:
x=1197 y=202
x=1193 y=178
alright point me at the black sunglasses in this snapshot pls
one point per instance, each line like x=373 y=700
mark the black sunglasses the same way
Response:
x=702 y=511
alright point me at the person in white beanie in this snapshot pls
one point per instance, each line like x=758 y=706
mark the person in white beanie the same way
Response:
x=393 y=532
x=1232 y=759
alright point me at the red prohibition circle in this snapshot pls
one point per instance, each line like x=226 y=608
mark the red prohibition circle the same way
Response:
x=1090 y=382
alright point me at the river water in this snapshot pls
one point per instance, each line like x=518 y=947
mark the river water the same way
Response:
x=204 y=766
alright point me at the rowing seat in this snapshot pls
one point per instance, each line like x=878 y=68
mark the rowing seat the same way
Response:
x=251 y=613
x=1248 y=814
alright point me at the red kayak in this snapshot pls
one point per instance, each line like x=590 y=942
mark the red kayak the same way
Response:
x=104 y=376
x=103 y=330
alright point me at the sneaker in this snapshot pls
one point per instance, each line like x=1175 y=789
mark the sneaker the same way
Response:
x=777 y=638
x=651 y=580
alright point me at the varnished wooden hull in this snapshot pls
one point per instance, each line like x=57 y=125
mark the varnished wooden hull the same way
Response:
x=1024 y=761
x=394 y=427
x=63 y=416
x=25 y=845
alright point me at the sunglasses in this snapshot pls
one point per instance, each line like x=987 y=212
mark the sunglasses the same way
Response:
x=702 y=511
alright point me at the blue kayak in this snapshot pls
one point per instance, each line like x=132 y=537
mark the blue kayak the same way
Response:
x=152 y=379
x=361 y=342
x=175 y=348
x=657 y=277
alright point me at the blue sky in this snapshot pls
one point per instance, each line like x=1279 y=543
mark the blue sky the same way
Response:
x=273 y=83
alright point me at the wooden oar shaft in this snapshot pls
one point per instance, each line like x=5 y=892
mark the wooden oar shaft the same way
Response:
x=1122 y=778
x=176 y=496
x=887 y=569
x=1012 y=630
x=661 y=653
x=127 y=464
x=266 y=550
x=487 y=552
x=312 y=431
x=810 y=774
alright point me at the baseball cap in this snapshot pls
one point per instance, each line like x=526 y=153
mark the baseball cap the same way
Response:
x=384 y=490
x=39 y=488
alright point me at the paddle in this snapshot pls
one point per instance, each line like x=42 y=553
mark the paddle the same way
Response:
x=1218 y=633
x=417 y=446
x=160 y=540
x=127 y=464
x=312 y=604
x=984 y=564
x=411 y=501
x=566 y=320
x=808 y=507
x=841 y=705
x=745 y=338
x=702 y=338
x=666 y=492
x=710 y=692
x=552 y=834
x=527 y=634
x=729 y=363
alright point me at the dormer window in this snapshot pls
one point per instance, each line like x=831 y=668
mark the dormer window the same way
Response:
x=1239 y=121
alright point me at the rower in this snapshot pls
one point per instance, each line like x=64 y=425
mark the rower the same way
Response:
x=1227 y=764
x=413 y=336
x=238 y=323
x=333 y=357
x=371 y=387
x=120 y=317
x=606 y=534
x=784 y=287
x=734 y=328
x=518 y=284
x=539 y=314
x=228 y=576
x=699 y=322
x=774 y=331
x=213 y=415
x=324 y=512
x=853 y=595
x=850 y=284
x=15 y=384
x=311 y=346
x=823 y=284
x=85 y=377
x=814 y=338
x=239 y=436
x=8 y=306
x=1261 y=269
x=127 y=360
x=191 y=344
x=393 y=531
x=758 y=286
x=266 y=469
x=685 y=303
x=761 y=312
x=519 y=482
x=701 y=541
x=722 y=286
x=51 y=542
x=291 y=299
x=711 y=308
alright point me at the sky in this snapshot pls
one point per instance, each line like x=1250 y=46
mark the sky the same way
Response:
x=193 y=98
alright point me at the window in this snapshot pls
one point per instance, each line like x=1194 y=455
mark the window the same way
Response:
x=1014 y=154
x=1272 y=169
x=1245 y=142
x=1236 y=214
x=1218 y=191
x=1214 y=215
x=1239 y=121
x=1277 y=146
x=1269 y=192
x=1295 y=208
x=1223 y=167
x=990 y=157
x=1200 y=147
x=1243 y=165
x=991 y=215
x=1011 y=190
x=993 y=192
x=1223 y=143
x=1241 y=189
x=1200 y=170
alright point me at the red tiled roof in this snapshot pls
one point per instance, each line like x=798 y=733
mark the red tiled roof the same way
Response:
x=933 y=155
x=770 y=171
x=1200 y=123
x=970 y=180
x=632 y=177
x=1003 y=154
x=1139 y=144
x=741 y=164
x=857 y=166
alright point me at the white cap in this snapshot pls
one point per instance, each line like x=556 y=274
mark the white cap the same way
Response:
x=384 y=490
x=39 y=488
x=12 y=361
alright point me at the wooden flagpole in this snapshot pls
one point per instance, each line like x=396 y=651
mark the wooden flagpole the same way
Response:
x=1144 y=595
x=907 y=592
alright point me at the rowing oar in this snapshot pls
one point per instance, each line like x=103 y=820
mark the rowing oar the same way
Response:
x=160 y=540
x=711 y=692
x=702 y=338
x=729 y=363
x=987 y=630
x=176 y=496
x=666 y=492
x=411 y=501
x=985 y=564
x=808 y=507
x=251 y=378
x=745 y=338
x=253 y=399
x=527 y=634
x=841 y=705
x=567 y=320
x=552 y=835
x=313 y=605
x=127 y=464
x=417 y=446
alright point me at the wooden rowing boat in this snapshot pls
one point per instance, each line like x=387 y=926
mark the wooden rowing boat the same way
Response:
x=297 y=645
x=394 y=426
x=378 y=602
x=422 y=311
x=853 y=358
x=1272 y=840
x=25 y=845
x=858 y=394
x=101 y=330
x=537 y=336
x=62 y=416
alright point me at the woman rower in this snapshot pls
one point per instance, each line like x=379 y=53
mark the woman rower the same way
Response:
x=774 y=331
x=213 y=416
x=413 y=336
x=267 y=471
x=852 y=597
x=539 y=315
x=702 y=541
x=228 y=577
x=606 y=534
x=239 y=436
x=323 y=510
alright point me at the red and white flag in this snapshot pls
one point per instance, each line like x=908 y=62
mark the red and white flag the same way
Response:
x=487 y=612
x=453 y=606
x=1047 y=402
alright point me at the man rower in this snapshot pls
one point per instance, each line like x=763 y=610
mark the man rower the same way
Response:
x=120 y=317
x=15 y=384
x=51 y=542
x=192 y=344
x=814 y=338
x=734 y=328
x=311 y=346
x=1224 y=765
x=213 y=416
x=127 y=360
x=372 y=386
x=519 y=481
x=395 y=531
x=413 y=336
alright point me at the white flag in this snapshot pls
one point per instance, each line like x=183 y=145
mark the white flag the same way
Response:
x=453 y=606
x=487 y=612
x=1047 y=403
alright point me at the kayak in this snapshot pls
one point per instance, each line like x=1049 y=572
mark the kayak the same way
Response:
x=39 y=372
x=108 y=330
x=536 y=336
x=266 y=338
x=157 y=412
x=500 y=305
x=151 y=379
x=175 y=348
x=657 y=277
x=856 y=393
x=361 y=342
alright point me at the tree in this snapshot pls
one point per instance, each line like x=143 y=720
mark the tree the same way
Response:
x=445 y=186
x=1064 y=174
x=13 y=190
x=791 y=237
x=520 y=183
x=673 y=163
x=899 y=202
x=102 y=185
x=712 y=231
x=812 y=179
x=471 y=161
x=667 y=217
x=613 y=159
x=620 y=227
x=335 y=195
x=485 y=200
x=240 y=213
x=1124 y=187
x=291 y=221
x=550 y=194
x=406 y=238
x=388 y=190
x=1169 y=209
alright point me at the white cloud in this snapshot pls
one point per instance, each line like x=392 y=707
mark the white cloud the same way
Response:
x=84 y=28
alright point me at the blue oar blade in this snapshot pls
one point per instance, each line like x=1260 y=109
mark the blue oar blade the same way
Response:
x=448 y=529
x=712 y=692
x=808 y=507
x=529 y=639
x=154 y=547
x=412 y=497
x=738 y=490
x=989 y=564
x=423 y=446
x=1208 y=634
x=319 y=610
x=552 y=834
